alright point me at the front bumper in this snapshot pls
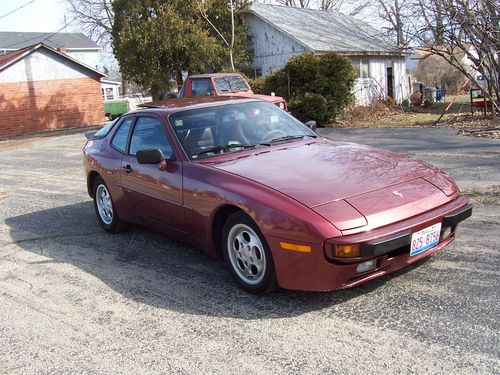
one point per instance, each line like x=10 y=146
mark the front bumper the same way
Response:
x=389 y=246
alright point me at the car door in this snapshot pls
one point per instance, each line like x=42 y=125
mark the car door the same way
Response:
x=154 y=192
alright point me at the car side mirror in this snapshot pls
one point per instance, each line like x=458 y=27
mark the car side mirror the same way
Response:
x=311 y=125
x=151 y=156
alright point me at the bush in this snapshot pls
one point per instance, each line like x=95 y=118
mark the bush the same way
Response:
x=311 y=106
x=258 y=85
x=316 y=87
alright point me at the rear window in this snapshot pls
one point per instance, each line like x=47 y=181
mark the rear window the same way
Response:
x=202 y=87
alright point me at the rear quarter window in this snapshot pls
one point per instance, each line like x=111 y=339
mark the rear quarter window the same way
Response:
x=104 y=131
x=120 y=139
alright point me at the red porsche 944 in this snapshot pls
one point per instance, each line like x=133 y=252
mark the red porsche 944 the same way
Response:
x=245 y=180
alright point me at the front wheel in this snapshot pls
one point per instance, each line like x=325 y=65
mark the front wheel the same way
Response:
x=247 y=254
x=105 y=208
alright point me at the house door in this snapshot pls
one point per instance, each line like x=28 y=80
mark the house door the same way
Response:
x=390 y=84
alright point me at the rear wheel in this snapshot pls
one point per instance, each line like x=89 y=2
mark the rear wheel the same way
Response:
x=247 y=254
x=105 y=208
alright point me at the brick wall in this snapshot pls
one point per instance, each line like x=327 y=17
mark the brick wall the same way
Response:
x=35 y=106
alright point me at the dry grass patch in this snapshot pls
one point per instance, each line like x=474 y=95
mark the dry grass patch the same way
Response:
x=387 y=115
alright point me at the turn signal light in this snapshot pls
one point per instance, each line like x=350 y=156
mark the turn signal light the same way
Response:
x=295 y=247
x=346 y=251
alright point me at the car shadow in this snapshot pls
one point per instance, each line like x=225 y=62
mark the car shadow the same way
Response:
x=152 y=269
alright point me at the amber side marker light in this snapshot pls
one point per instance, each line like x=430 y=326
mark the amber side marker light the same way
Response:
x=346 y=251
x=295 y=247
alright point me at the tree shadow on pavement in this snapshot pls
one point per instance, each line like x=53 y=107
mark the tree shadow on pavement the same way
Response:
x=152 y=269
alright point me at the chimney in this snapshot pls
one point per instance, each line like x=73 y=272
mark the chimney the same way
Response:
x=62 y=49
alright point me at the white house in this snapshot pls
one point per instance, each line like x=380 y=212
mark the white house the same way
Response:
x=77 y=45
x=110 y=89
x=281 y=32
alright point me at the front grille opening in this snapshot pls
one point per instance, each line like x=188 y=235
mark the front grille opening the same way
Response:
x=399 y=251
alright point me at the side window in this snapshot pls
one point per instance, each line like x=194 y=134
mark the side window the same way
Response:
x=365 y=69
x=201 y=87
x=120 y=139
x=149 y=134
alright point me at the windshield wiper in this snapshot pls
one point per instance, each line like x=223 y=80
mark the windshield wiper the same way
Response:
x=287 y=138
x=223 y=148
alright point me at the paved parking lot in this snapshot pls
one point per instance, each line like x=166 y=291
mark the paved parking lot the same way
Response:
x=76 y=299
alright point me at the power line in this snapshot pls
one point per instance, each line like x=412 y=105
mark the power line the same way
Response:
x=15 y=10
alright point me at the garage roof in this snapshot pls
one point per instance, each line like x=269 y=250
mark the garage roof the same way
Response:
x=325 y=31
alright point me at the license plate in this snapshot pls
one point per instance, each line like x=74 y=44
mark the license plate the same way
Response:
x=425 y=239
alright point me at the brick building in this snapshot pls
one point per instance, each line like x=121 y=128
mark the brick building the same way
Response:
x=42 y=89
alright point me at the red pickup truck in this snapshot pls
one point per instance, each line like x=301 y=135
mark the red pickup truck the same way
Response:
x=223 y=84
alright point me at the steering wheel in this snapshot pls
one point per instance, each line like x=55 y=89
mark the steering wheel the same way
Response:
x=275 y=133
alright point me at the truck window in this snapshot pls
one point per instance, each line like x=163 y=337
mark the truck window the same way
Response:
x=202 y=87
x=230 y=84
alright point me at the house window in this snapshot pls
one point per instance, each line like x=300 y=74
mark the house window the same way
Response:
x=364 y=69
x=109 y=94
x=256 y=73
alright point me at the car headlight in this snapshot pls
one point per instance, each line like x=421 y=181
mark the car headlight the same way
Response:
x=281 y=105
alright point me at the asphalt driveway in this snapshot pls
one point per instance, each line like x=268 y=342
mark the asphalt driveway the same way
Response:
x=76 y=299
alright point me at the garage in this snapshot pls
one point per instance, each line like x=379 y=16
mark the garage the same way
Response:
x=43 y=89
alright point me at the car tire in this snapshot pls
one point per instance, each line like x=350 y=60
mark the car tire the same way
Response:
x=105 y=208
x=247 y=254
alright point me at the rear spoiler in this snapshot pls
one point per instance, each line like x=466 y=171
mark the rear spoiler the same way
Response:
x=90 y=134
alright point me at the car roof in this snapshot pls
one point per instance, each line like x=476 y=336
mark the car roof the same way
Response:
x=174 y=105
x=211 y=75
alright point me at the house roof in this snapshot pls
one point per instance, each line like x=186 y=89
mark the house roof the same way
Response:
x=13 y=40
x=12 y=57
x=9 y=58
x=325 y=31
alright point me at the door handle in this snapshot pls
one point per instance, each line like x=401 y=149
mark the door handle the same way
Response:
x=126 y=168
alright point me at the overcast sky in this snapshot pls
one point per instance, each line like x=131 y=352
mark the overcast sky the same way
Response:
x=40 y=15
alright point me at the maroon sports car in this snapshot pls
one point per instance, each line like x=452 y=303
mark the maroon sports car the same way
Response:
x=245 y=180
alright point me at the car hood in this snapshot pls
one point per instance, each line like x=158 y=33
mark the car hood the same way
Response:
x=344 y=182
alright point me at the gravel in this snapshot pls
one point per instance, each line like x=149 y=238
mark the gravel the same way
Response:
x=74 y=299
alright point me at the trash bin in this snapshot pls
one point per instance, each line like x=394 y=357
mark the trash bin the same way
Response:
x=439 y=95
x=430 y=94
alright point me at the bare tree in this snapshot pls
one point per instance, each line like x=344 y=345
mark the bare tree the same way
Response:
x=351 y=8
x=466 y=34
x=295 y=3
x=95 y=18
x=393 y=12
x=230 y=44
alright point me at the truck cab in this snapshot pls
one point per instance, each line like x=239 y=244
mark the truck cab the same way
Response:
x=224 y=84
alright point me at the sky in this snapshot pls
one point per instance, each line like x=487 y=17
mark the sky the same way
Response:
x=40 y=15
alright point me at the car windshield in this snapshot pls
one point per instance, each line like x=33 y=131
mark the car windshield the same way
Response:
x=228 y=128
x=230 y=84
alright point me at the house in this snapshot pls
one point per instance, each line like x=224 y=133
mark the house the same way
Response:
x=76 y=45
x=110 y=89
x=43 y=89
x=281 y=32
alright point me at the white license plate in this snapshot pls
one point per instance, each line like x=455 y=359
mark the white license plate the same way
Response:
x=425 y=239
